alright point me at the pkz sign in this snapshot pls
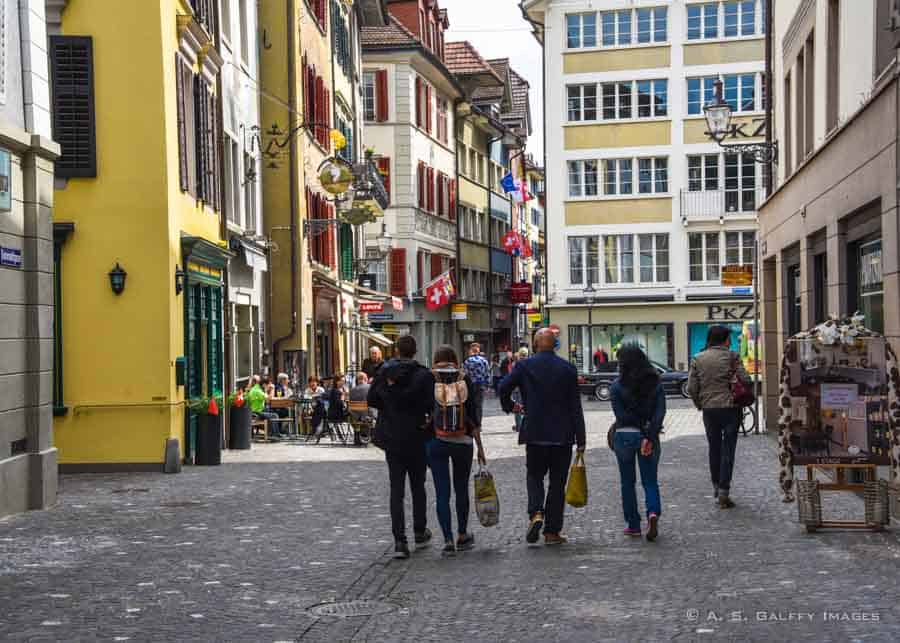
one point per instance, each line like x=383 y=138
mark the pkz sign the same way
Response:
x=718 y=312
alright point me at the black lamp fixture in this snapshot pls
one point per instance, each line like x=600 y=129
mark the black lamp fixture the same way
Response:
x=179 y=280
x=117 y=279
x=718 y=121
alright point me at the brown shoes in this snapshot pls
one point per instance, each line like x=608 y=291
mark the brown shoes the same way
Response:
x=555 y=539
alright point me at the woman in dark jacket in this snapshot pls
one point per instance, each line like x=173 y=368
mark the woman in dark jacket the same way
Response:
x=453 y=448
x=639 y=404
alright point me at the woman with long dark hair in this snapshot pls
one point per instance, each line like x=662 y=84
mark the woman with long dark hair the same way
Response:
x=456 y=428
x=639 y=404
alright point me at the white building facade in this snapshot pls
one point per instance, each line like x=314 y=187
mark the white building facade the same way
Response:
x=642 y=206
x=246 y=314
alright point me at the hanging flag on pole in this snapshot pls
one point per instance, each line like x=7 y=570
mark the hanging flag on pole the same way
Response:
x=439 y=291
x=509 y=183
x=512 y=243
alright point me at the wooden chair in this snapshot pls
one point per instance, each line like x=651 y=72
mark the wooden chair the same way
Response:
x=360 y=420
x=259 y=425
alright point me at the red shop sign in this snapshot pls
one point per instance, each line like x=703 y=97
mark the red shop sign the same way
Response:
x=371 y=307
x=520 y=293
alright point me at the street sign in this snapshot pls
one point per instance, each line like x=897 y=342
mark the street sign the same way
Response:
x=737 y=275
x=11 y=257
x=743 y=290
x=459 y=311
x=371 y=306
x=376 y=317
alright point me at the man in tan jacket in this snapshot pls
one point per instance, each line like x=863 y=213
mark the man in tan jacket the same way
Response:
x=709 y=385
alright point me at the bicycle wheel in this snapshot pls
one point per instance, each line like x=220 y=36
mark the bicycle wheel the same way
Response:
x=748 y=420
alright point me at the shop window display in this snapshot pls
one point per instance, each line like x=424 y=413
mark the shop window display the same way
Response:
x=654 y=339
x=743 y=339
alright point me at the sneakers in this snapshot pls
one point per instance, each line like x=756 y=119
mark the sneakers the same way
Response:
x=632 y=532
x=724 y=501
x=534 y=528
x=652 y=530
x=423 y=538
x=401 y=550
x=449 y=548
x=465 y=542
x=555 y=539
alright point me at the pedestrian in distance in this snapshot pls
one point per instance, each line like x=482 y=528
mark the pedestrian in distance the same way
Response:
x=403 y=393
x=553 y=422
x=373 y=362
x=495 y=372
x=709 y=385
x=456 y=428
x=478 y=370
x=639 y=405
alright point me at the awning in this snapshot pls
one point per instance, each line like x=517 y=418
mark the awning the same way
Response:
x=376 y=337
x=254 y=257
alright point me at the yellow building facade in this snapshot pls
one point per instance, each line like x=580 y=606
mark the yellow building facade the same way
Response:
x=136 y=346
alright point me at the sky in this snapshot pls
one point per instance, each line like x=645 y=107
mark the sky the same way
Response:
x=497 y=30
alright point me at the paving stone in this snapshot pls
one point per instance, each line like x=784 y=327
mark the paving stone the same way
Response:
x=242 y=552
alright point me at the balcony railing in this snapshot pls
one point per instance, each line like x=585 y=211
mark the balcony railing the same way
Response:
x=712 y=204
x=370 y=185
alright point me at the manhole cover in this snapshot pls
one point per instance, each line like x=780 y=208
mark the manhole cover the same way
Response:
x=176 y=504
x=353 y=608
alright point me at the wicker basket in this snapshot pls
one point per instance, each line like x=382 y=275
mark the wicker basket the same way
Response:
x=809 y=503
x=877 y=503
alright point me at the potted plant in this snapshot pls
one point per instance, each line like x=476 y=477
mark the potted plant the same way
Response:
x=238 y=420
x=209 y=433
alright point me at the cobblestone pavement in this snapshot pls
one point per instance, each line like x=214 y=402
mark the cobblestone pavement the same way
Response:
x=245 y=551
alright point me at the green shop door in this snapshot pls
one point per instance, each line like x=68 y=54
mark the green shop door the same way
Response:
x=203 y=352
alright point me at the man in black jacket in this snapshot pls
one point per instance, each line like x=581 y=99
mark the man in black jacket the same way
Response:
x=403 y=393
x=553 y=422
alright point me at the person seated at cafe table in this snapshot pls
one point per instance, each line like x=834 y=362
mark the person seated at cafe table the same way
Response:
x=313 y=389
x=259 y=407
x=282 y=390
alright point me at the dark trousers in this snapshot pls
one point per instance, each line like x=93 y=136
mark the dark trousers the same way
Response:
x=722 y=433
x=403 y=463
x=442 y=456
x=541 y=461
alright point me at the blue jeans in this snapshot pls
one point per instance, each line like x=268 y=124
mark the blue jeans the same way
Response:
x=628 y=448
x=441 y=455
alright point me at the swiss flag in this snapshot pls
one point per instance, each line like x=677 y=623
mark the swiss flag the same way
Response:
x=439 y=292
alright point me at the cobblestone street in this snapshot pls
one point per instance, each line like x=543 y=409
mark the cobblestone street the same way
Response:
x=246 y=551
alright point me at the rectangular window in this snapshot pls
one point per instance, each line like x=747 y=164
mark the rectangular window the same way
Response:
x=582 y=102
x=739 y=92
x=740 y=183
x=644 y=25
x=617 y=176
x=732 y=19
x=740 y=248
x=661 y=174
x=645 y=176
x=660 y=24
x=703 y=251
x=653 y=175
x=369 y=95
x=623 y=20
x=654 y=258
x=833 y=53
x=618 y=259
x=576 y=260
x=820 y=287
x=703 y=172
x=710 y=20
x=617 y=101
x=582 y=178
x=581 y=30
x=792 y=300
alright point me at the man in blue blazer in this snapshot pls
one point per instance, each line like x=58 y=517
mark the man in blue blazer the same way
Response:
x=553 y=422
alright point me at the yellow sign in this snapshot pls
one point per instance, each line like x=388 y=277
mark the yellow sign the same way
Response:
x=459 y=311
x=737 y=275
x=534 y=318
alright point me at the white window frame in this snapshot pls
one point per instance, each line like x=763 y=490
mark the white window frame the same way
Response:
x=704 y=263
x=759 y=21
x=655 y=251
x=758 y=102
x=580 y=170
x=704 y=172
x=618 y=177
x=370 y=94
x=741 y=177
x=581 y=99
x=621 y=264
x=618 y=96
x=746 y=247
x=581 y=30
x=654 y=15
x=659 y=165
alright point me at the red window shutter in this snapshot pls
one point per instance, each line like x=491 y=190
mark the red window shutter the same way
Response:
x=452 y=191
x=326 y=130
x=318 y=107
x=437 y=263
x=384 y=166
x=381 y=95
x=430 y=179
x=419 y=113
x=440 y=194
x=420 y=271
x=428 y=108
x=331 y=250
x=420 y=177
x=398 y=272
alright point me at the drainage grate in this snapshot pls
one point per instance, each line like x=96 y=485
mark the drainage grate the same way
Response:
x=353 y=608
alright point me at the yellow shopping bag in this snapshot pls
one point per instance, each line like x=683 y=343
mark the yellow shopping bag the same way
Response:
x=577 y=488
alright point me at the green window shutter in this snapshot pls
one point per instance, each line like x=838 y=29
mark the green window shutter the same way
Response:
x=346 y=252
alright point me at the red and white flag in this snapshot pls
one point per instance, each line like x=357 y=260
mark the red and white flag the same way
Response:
x=439 y=292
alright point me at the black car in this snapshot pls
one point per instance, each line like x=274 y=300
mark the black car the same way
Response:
x=596 y=384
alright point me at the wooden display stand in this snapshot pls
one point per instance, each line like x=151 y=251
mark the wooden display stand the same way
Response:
x=810 y=502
